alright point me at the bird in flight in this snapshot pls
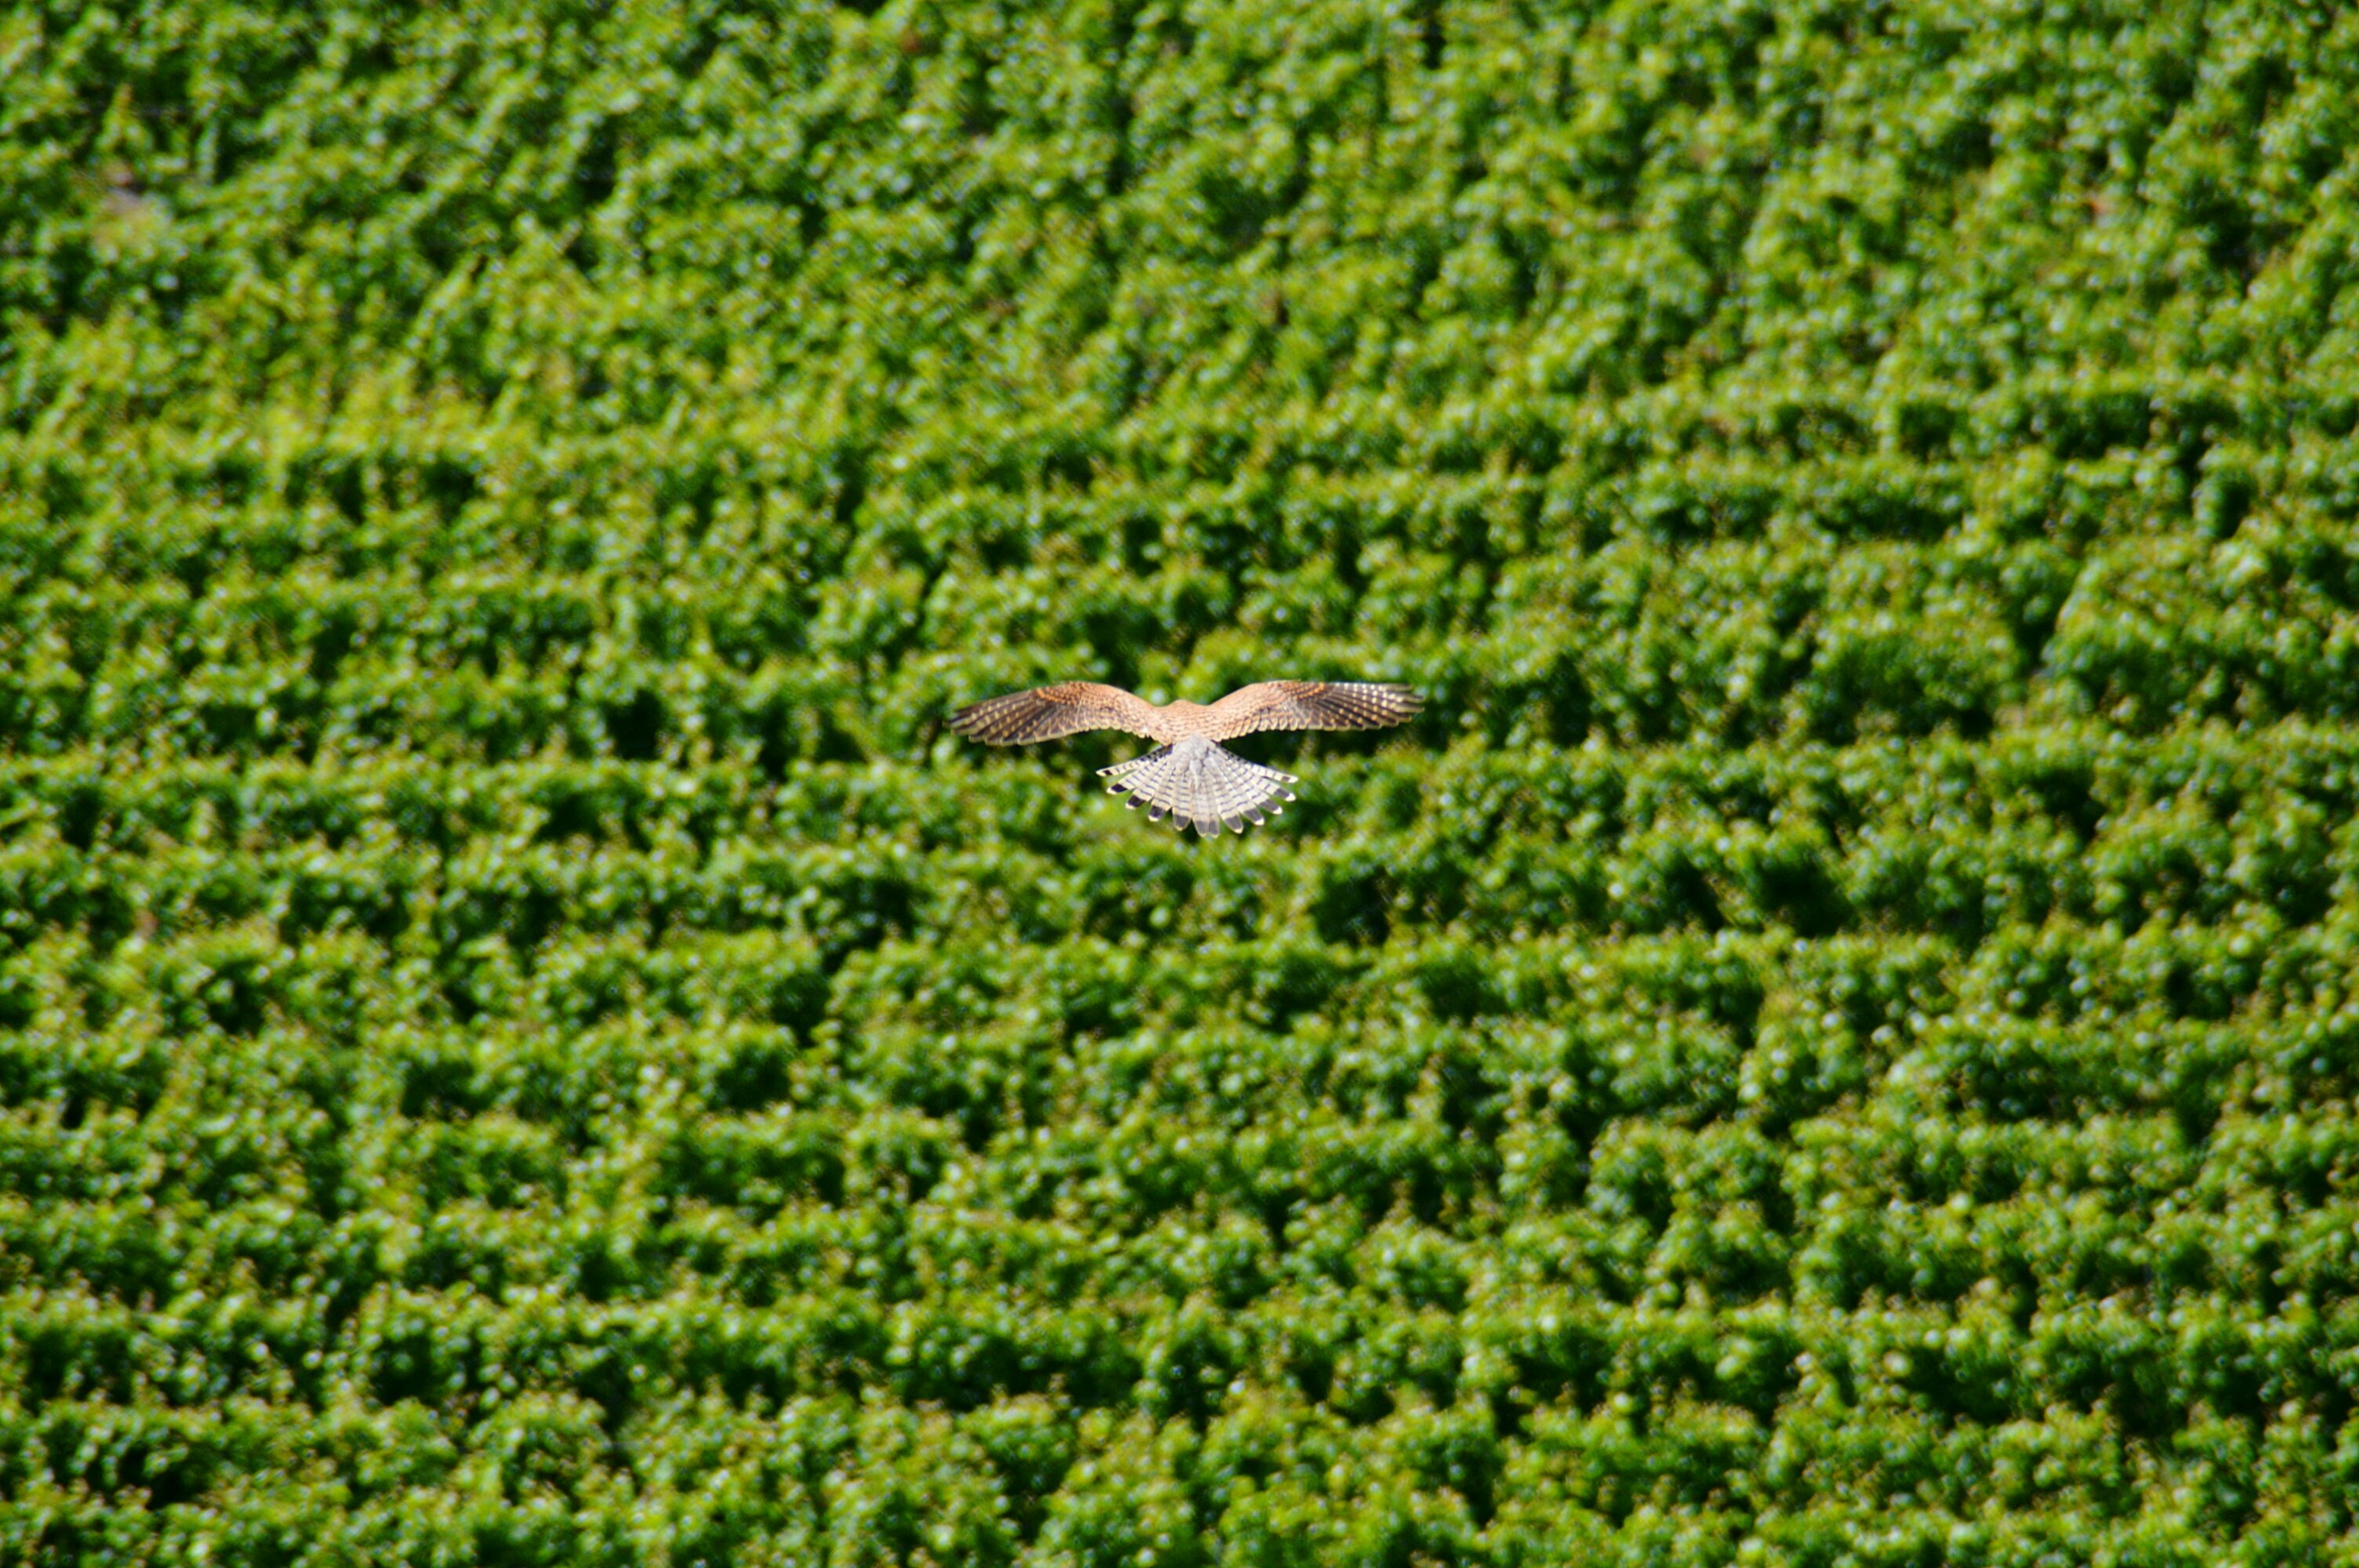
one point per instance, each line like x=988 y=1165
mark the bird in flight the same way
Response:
x=1189 y=777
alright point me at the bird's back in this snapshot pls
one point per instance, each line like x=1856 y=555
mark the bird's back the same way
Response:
x=1182 y=719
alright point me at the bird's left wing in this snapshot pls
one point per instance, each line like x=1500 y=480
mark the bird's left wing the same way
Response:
x=1312 y=705
x=1048 y=712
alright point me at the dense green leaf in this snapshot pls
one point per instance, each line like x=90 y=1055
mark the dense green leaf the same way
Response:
x=1831 y=1040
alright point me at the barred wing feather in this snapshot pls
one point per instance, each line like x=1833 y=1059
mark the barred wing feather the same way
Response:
x=1046 y=713
x=1312 y=705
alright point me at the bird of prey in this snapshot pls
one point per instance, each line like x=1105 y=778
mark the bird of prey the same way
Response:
x=1189 y=777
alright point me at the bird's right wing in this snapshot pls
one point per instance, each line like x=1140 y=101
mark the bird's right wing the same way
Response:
x=1048 y=712
x=1312 y=705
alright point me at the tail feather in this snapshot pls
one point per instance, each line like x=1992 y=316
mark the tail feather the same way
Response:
x=1199 y=786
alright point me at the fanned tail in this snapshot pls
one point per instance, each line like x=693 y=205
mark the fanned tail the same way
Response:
x=1199 y=786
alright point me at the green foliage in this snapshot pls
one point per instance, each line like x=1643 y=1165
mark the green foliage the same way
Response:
x=1832 y=1040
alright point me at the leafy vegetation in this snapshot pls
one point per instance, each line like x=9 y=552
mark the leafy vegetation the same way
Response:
x=1832 y=1040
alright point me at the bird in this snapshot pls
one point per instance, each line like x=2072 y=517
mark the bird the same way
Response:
x=1190 y=777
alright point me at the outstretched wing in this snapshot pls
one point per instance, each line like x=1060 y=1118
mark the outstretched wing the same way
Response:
x=1047 y=713
x=1312 y=705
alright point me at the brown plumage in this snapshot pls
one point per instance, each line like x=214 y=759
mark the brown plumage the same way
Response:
x=1190 y=776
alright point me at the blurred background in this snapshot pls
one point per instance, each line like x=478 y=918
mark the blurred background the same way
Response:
x=1830 y=1040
